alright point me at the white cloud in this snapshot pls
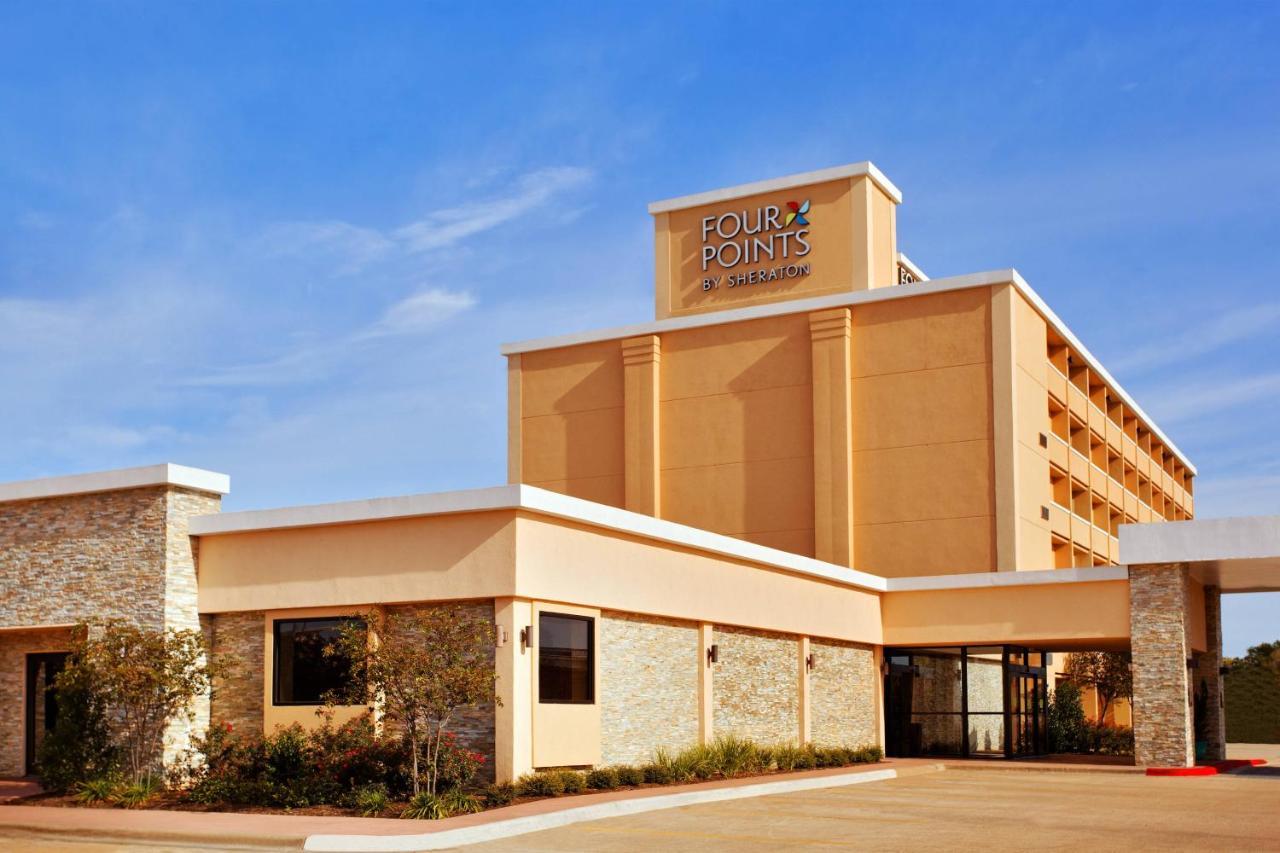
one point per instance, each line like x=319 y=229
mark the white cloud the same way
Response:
x=350 y=248
x=419 y=313
x=1222 y=331
x=353 y=248
x=444 y=228
x=1190 y=400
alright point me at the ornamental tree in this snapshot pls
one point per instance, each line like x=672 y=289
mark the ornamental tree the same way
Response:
x=1110 y=674
x=421 y=668
x=141 y=680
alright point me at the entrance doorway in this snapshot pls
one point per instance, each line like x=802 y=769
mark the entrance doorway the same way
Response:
x=42 y=701
x=965 y=701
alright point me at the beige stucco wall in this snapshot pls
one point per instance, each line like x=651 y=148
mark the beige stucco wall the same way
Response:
x=462 y=556
x=648 y=686
x=564 y=561
x=922 y=463
x=843 y=698
x=756 y=693
x=1077 y=615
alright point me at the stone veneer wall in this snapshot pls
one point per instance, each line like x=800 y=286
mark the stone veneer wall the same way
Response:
x=14 y=648
x=842 y=694
x=237 y=698
x=986 y=693
x=756 y=685
x=648 y=691
x=122 y=554
x=1209 y=676
x=474 y=726
x=1162 y=721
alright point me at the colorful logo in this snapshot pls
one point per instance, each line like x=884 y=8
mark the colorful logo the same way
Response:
x=797 y=213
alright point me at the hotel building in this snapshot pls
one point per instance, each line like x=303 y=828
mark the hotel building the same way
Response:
x=820 y=497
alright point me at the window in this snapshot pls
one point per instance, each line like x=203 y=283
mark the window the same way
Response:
x=566 y=659
x=303 y=672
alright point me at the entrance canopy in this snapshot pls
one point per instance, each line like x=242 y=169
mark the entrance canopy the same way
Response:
x=1233 y=554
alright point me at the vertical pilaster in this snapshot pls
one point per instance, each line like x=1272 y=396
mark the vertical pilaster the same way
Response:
x=1162 y=714
x=513 y=719
x=706 y=673
x=641 y=359
x=515 y=407
x=830 y=334
x=1004 y=420
x=806 y=714
x=1209 y=673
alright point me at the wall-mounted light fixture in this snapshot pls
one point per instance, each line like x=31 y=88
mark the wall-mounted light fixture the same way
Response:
x=502 y=636
x=713 y=654
x=526 y=637
x=809 y=664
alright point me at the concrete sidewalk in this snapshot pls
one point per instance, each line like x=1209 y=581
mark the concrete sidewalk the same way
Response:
x=235 y=829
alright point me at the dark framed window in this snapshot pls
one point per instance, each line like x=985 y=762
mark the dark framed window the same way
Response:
x=302 y=672
x=566 y=659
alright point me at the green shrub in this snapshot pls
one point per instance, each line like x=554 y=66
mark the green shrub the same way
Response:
x=572 y=782
x=786 y=756
x=425 y=806
x=657 y=774
x=602 y=779
x=97 y=790
x=730 y=755
x=458 y=801
x=545 y=784
x=79 y=748
x=828 y=756
x=1110 y=740
x=1067 y=727
x=372 y=801
x=137 y=794
x=499 y=794
x=628 y=775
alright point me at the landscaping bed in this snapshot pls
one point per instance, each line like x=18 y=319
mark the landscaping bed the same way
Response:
x=297 y=788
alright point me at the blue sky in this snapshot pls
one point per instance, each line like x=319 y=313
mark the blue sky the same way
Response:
x=284 y=240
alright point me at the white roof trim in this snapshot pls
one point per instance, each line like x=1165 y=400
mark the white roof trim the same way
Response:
x=912 y=268
x=852 y=170
x=544 y=502
x=853 y=298
x=166 y=474
x=984 y=580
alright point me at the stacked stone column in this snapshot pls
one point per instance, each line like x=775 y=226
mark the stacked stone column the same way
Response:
x=1209 y=673
x=1162 y=712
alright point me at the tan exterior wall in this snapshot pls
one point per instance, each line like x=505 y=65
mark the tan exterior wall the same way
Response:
x=843 y=695
x=755 y=693
x=237 y=638
x=14 y=648
x=922 y=463
x=736 y=450
x=572 y=421
x=562 y=561
x=463 y=556
x=1063 y=616
x=648 y=686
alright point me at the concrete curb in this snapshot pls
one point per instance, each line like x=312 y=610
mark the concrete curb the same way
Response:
x=617 y=808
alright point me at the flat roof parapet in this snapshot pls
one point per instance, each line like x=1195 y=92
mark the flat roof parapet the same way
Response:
x=165 y=474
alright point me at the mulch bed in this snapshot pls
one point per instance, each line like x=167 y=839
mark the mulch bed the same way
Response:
x=175 y=802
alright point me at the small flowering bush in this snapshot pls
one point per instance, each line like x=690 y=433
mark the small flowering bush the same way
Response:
x=294 y=768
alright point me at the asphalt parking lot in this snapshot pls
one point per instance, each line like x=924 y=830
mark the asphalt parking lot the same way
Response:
x=958 y=810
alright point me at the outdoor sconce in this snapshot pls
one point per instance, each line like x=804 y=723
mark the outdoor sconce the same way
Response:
x=526 y=637
x=502 y=636
x=809 y=664
x=713 y=654
x=884 y=667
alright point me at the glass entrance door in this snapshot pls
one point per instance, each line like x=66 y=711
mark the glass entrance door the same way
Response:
x=42 y=702
x=1026 y=700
